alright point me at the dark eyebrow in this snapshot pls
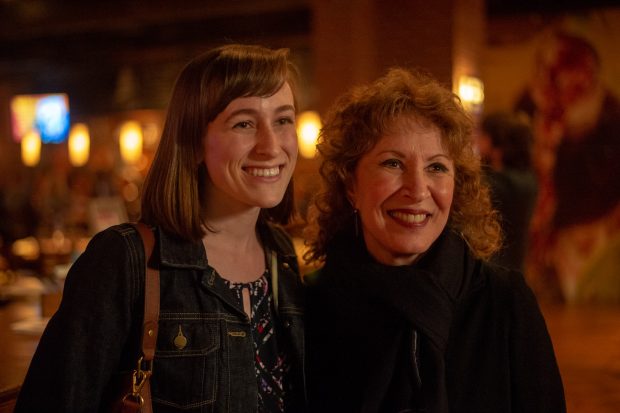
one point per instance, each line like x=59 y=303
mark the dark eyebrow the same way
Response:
x=248 y=111
x=285 y=108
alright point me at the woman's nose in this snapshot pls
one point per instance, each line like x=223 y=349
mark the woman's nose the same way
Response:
x=415 y=184
x=267 y=142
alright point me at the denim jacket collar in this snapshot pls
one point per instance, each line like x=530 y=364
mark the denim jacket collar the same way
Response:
x=181 y=254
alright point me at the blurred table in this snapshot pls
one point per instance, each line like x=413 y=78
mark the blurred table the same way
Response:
x=16 y=349
x=587 y=345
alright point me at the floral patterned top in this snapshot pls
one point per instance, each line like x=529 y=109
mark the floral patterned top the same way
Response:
x=270 y=362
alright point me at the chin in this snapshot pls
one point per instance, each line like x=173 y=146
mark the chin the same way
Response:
x=413 y=248
x=266 y=204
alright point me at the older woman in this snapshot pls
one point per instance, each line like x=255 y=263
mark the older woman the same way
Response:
x=406 y=314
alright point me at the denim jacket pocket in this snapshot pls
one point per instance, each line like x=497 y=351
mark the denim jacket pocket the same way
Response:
x=186 y=362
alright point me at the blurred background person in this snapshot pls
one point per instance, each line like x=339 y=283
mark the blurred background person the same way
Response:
x=505 y=140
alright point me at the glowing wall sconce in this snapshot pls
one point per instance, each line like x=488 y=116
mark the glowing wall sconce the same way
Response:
x=31 y=148
x=308 y=128
x=79 y=144
x=131 y=142
x=471 y=92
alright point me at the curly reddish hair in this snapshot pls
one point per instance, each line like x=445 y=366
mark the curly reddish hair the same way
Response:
x=360 y=118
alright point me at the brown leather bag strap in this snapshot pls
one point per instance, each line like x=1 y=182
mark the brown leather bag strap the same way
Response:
x=134 y=395
x=151 y=295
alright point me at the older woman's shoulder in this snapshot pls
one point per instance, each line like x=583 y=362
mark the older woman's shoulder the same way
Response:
x=506 y=284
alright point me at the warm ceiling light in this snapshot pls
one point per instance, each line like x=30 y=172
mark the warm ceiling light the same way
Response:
x=131 y=142
x=31 y=148
x=79 y=144
x=308 y=128
x=471 y=92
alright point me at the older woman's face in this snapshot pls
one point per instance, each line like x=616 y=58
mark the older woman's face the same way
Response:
x=403 y=190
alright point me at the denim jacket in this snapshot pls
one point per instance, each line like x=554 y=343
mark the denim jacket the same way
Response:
x=95 y=333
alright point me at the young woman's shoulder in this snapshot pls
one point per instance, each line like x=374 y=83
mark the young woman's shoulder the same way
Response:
x=113 y=259
x=117 y=235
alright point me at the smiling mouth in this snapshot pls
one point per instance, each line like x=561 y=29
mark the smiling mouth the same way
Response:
x=263 y=172
x=408 y=217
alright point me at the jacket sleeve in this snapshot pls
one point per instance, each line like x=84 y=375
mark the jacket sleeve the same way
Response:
x=83 y=343
x=536 y=381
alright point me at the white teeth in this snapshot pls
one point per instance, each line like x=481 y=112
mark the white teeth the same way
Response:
x=409 y=218
x=275 y=171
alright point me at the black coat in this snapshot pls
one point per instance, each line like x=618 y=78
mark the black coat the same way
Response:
x=448 y=334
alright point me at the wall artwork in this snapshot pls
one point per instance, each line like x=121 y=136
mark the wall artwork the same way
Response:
x=574 y=108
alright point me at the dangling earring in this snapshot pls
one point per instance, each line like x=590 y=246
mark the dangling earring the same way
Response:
x=356 y=218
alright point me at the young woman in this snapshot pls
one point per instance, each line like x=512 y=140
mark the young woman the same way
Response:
x=406 y=314
x=230 y=329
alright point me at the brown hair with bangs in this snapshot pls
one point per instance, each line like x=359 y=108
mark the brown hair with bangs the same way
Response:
x=360 y=118
x=173 y=195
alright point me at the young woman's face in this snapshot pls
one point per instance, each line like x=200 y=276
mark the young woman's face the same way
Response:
x=403 y=190
x=250 y=152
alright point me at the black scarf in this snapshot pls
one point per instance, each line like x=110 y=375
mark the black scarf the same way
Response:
x=422 y=296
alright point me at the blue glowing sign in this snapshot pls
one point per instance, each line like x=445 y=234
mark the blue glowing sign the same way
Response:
x=47 y=114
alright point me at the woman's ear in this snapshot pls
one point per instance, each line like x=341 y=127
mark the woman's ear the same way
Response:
x=351 y=193
x=200 y=151
x=200 y=155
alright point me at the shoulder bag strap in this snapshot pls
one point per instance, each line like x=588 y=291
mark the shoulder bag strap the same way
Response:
x=151 y=295
x=150 y=324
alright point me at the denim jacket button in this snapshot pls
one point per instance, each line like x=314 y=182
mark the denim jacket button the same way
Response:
x=180 y=341
x=286 y=265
